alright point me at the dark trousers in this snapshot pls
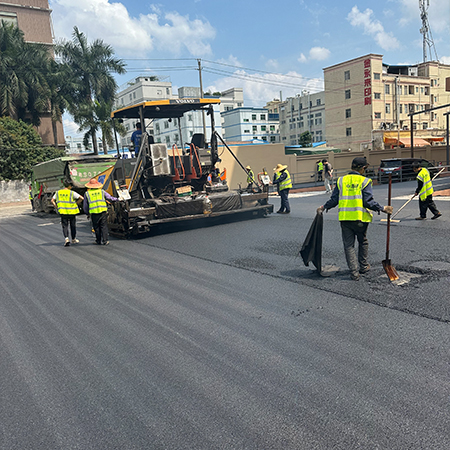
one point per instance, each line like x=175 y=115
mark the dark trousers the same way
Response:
x=100 y=225
x=284 y=194
x=350 y=231
x=426 y=204
x=66 y=220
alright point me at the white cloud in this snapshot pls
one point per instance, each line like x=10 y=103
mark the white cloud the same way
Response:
x=302 y=58
x=272 y=64
x=372 y=27
x=100 y=19
x=319 y=53
x=231 y=60
x=445 y=59
x=261 y=88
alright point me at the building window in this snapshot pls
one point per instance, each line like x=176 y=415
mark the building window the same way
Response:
x=425 y=125
x=166 y=124
x=264 y=138
x=318 y=102
x=134 y=94
x=377 y=95
x=348 y=94
x=253 y=116
x=387 y=89
x=348 y=113
x=157 y=127
x=388 y=108
x=401 y=108
x=167 y=91
x=263 y=117
x=239 y=104
x=272 y=127
x=348 y=131
x=263 y=127
x=9 y=18
x=272 y=138
x=167 y=139
x=377 y=115
x=376 y=76
x=131 y=97
x=255 y=128
x=347 y=75
x=246 y=120
x=189 y=117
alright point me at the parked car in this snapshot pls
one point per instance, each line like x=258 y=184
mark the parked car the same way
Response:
x=401 y=169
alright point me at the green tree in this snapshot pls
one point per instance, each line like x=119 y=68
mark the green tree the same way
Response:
x=89 y=67
x=305 y=139
x=23 y=86
x=20 y=149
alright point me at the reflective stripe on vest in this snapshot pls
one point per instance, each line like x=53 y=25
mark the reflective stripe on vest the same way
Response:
x=320 y=166
x=97 y=202
x=66 y=203
x=350 y=198
x=250 y=176
x=427 y=188
x=287 y=183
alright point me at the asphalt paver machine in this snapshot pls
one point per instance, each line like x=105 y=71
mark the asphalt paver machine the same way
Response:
x=166 y=184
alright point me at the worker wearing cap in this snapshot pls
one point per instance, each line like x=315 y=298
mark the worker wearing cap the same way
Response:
x=95 y=205
x=250 y=177
x=425 y=192
x=354 y=197
x=282 y=178
x=66 y=202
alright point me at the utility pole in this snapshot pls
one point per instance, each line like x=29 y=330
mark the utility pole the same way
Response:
x=199 y=61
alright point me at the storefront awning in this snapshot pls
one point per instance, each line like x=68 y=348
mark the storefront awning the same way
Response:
x=418 y=142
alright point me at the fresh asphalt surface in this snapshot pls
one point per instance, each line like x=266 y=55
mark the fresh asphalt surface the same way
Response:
x=220 y=338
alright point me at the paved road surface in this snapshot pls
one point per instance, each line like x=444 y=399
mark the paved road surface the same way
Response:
x=220 y=338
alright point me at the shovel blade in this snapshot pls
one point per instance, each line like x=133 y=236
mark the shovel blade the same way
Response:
x=390 y=270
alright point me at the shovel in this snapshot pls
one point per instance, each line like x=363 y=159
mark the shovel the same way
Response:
x=388 y=267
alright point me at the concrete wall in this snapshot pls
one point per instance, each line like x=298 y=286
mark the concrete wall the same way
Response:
x=13 y=191
x=302 y=167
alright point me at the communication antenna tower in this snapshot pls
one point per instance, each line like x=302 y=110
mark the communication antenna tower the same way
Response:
x=426 y=31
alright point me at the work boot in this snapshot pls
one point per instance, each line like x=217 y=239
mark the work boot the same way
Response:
x=364 y=269
x=75 y=241
x=436 y=216
x=280 y=212
x=66 y=242
x=354 y=277
x=421 y=218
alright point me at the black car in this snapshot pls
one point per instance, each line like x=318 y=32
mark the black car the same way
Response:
x=401 y=169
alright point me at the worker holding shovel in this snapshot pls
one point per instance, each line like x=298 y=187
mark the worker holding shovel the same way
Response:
x=425 y=192
x=354 y=197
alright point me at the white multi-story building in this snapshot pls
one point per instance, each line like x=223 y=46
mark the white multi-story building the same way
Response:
x=179 y=132
x=141 y=89
x=302 y=113
x=248 y=124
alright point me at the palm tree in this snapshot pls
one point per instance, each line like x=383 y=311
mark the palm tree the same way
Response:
x=90 y=67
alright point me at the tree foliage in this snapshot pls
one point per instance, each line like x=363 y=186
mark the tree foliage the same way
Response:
x=305 y=139
x=93 y=88
x=20 y=149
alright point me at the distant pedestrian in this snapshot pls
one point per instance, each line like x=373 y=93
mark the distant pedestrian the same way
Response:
x=30 y=196
x=95 y=205
x=136 y=139
x=354 y=197
x=66 y=203
x=282 y=178
x=425 y=192
x=250 y=177
x=328 y=175
x=319 y=168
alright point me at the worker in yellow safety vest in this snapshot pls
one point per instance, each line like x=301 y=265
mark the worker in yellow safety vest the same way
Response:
x=250 y=177
x=425 y=192
x=319 y=170
x=282 y=178
x=354 y=197
x=66 y=203
x=95 y=205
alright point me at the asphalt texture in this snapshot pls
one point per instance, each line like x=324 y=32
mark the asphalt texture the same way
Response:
x=219 y=337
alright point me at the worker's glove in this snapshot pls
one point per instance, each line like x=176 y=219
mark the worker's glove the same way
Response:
x=320 y=209
x=388 y=209
x=415 y=194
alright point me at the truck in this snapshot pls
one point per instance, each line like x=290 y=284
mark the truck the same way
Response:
x=168 y=184
x=49 y=176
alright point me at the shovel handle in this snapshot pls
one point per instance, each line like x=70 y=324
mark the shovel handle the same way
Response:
x=388 y=218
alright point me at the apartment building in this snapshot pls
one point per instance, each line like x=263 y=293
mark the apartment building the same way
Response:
x=365 y=94
x=246 y=124
x=33 y=18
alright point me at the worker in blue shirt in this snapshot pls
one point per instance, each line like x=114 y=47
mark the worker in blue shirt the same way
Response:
x=136 y=139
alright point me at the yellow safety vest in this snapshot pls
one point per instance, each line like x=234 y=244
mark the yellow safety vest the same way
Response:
x=97 y=201
x=286 y=183
x=351 y=200
x=427 y=188
x=250 y=176
x=320 y=166
x=66 y=202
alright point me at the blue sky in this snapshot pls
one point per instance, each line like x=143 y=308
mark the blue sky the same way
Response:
x=262 y=46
